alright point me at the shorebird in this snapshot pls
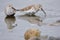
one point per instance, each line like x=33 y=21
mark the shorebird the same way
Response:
x=32 y=9
x=31 y=33
x=10 y=10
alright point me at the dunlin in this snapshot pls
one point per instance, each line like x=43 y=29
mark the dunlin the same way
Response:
x=32 y=9
x=10 y=10
x=31 y=33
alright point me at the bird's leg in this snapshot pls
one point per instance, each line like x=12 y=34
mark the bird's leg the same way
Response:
x=43 y=11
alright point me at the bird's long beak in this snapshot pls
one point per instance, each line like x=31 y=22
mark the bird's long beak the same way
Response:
x=43 y=11
x=17 y=9
x=13 y=8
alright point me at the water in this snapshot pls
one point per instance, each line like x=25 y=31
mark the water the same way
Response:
x=13 y=28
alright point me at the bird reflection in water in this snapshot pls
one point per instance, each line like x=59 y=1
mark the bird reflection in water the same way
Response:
x=33 y=19
x=56 y=23
x=10 y=21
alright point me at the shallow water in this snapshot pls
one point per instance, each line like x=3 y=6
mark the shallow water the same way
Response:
x=13 y=28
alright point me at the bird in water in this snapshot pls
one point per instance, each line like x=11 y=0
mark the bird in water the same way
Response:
x=10 y=10
x=32 y=9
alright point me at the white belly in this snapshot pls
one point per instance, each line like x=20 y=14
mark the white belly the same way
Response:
x=9 y=11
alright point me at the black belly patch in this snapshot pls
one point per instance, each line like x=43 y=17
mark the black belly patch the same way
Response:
x=11 y=14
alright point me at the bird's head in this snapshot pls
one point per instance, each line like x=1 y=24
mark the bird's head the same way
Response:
x=10 y=5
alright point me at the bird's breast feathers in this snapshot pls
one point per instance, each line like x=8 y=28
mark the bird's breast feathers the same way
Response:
x=9 y=11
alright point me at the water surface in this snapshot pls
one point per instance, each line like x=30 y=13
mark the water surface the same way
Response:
x=13 y=28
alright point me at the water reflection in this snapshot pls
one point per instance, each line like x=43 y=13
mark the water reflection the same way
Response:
x=56 y=23
x=10 y=21
x=33 y=19
x=53 y=38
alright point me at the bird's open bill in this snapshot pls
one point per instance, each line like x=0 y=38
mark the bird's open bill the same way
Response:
x=43 y=11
